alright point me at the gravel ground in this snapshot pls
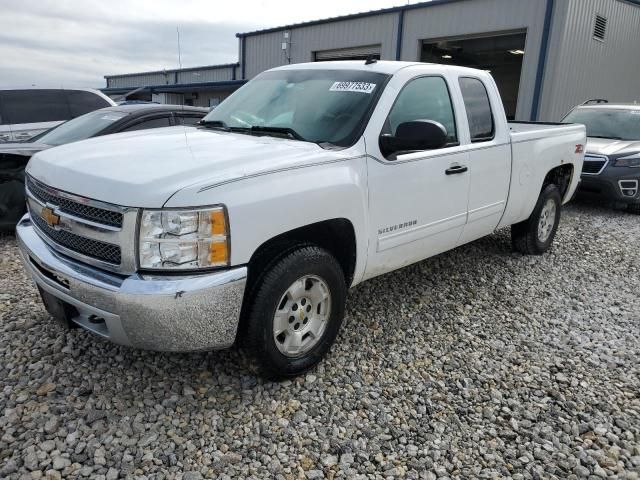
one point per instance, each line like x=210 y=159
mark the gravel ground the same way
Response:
x=479 y=363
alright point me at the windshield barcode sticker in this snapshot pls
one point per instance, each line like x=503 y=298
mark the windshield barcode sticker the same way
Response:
x=361 y=87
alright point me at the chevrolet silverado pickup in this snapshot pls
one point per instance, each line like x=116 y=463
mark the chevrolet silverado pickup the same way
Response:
x=251 y=226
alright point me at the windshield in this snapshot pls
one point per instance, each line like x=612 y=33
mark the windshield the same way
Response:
x=79 y=128
x=607 y=122
x=320 y=106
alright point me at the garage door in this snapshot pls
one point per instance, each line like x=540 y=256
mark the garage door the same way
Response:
x=353 y=53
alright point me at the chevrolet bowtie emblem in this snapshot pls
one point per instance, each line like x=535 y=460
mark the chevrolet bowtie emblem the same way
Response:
x=48 y=216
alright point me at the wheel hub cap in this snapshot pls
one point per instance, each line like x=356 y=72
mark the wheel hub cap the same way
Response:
x=302 y=316
x=547 y=220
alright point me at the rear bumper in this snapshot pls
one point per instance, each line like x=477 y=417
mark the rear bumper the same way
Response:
x=165 y=313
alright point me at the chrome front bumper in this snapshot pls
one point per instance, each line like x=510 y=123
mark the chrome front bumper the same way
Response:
x=165 y=313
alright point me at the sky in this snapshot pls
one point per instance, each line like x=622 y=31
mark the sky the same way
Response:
x=74 y=43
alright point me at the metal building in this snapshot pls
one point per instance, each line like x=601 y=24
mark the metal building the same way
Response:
x=203 y=86
x=546 y=55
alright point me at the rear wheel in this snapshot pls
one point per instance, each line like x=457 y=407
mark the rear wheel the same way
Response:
x=535 y=235
x=295 y=313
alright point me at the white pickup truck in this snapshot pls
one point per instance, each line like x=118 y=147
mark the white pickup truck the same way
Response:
x=308 y=180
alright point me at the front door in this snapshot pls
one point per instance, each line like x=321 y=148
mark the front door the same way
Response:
x=417 y=201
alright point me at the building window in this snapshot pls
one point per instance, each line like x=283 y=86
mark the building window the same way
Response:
x=600 y=28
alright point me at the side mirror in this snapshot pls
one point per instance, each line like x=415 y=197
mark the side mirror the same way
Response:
x=414 y=136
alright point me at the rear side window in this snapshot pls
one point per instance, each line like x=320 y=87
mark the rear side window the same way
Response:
x=478 y=107
x=81 y=102
x=424 y=98
x=149 y=123
x=33 y=106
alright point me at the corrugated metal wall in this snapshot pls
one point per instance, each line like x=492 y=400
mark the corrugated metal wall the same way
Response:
x=264 y=51
x=139 y=80
x=464 y=18
x=580 y=68
x=207 y=75
x=216 y=74
x=479 y=17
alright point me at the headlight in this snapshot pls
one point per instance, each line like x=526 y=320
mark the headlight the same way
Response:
x=630 y=161
x=184 y=239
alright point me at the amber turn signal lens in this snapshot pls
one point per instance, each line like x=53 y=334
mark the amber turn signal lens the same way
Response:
x=218 y=253
x=217 y=222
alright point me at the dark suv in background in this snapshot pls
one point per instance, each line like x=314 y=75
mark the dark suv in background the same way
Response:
x=124 y=118
x=612 y=159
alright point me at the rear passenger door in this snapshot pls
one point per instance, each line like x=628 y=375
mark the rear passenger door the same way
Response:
x=489 y=157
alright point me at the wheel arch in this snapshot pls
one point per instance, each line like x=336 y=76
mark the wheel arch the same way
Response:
x=336 y=235
x=561 y=176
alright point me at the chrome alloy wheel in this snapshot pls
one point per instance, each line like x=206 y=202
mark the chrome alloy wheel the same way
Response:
x=547 y=220
x=302 y=316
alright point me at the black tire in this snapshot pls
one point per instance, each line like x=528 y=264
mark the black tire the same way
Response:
x=634 y=208
x=524 y=235
x=266 y=298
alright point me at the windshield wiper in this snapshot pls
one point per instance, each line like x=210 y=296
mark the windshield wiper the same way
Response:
x=290 y=132
x=214 y=124
x=219 y=124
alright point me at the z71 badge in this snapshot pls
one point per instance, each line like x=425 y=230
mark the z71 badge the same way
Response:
x=400 y=226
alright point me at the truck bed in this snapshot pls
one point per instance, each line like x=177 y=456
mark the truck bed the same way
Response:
x=526 y=131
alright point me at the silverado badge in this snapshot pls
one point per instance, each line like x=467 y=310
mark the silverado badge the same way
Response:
x=48 y=216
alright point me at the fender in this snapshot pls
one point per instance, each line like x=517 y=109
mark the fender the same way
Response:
x=265 y=206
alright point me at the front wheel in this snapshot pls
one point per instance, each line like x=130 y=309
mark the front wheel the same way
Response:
x=535 y=235
x=296 y=312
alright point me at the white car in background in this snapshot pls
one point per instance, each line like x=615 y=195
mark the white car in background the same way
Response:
x=27 y=112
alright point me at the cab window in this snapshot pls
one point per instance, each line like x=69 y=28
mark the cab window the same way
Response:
x=424 y=98
x=478 y=108
x=81 y=102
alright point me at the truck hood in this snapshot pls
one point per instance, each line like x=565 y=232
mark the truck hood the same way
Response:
x=603 y=146
x=145 y=168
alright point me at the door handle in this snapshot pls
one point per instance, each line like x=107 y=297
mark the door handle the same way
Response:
x=456 y=169
x=22 y=136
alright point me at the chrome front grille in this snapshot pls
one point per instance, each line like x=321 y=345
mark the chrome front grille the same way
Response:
x=594 y=165
x=102 y=251
x=93 y=232
x=99 y=215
